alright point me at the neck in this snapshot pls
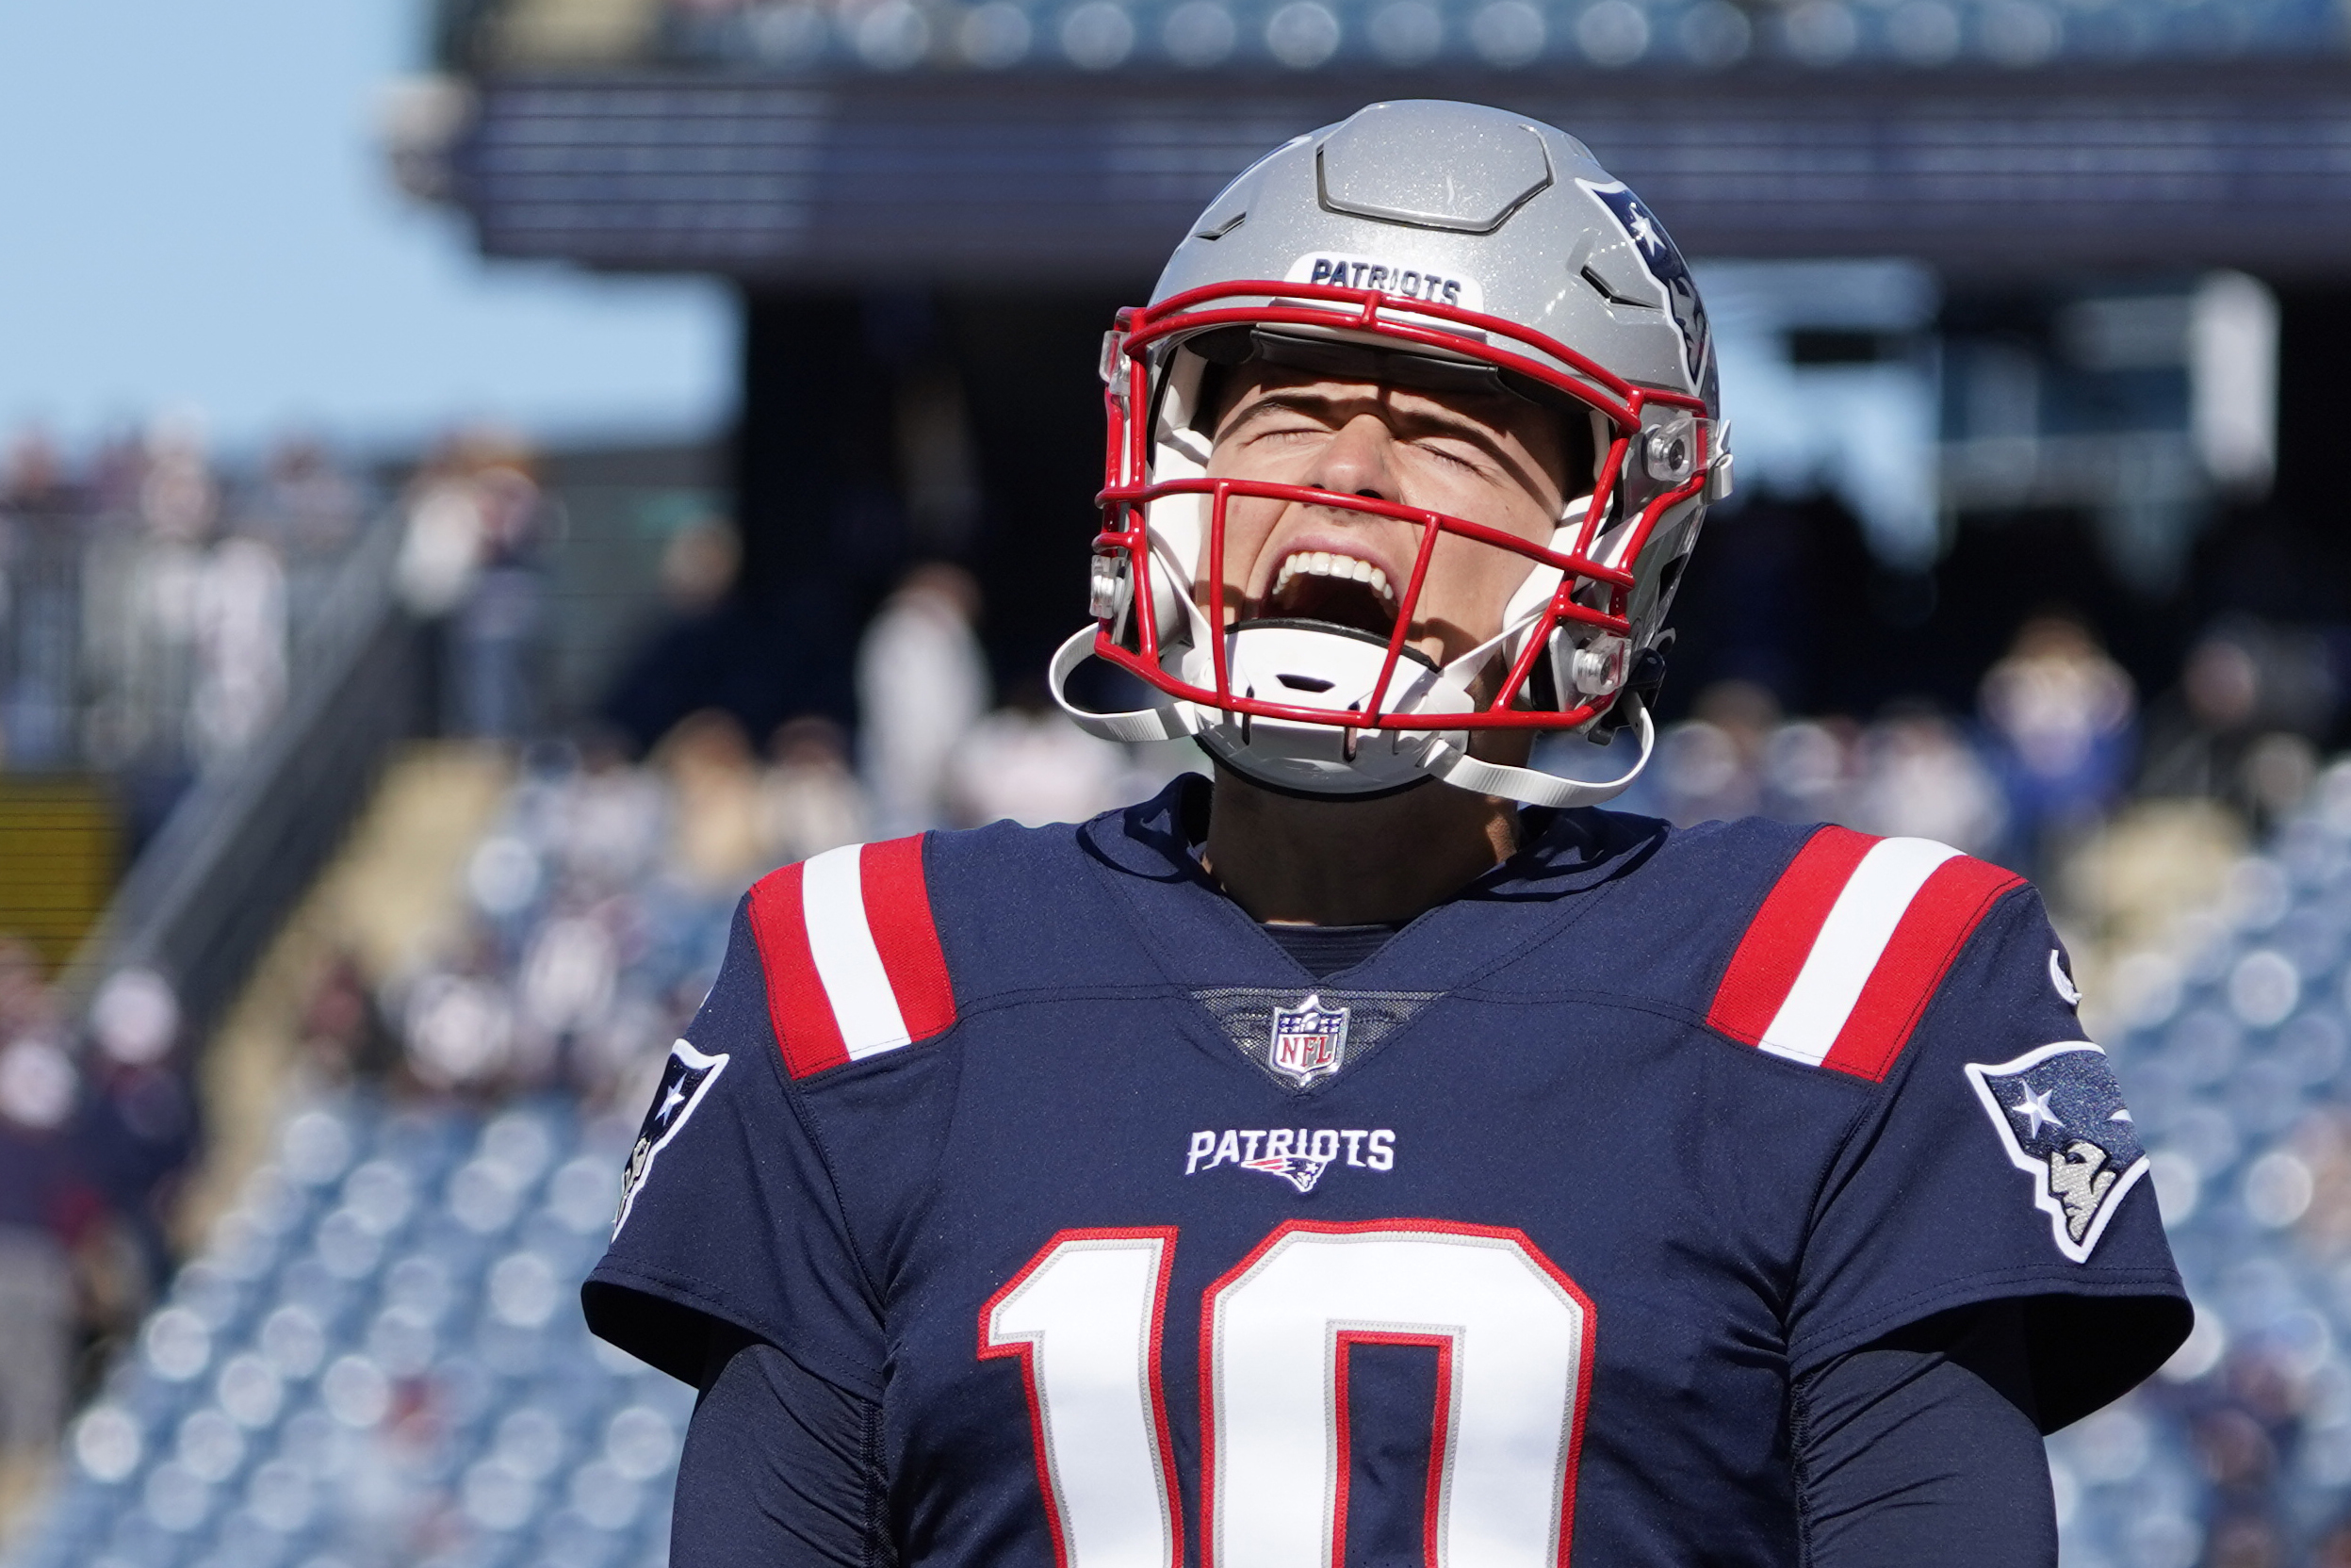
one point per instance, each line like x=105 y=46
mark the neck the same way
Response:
x=1342 y=862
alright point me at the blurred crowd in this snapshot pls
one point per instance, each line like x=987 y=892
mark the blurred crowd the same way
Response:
x=595 y=914
x=598 y=904
x=97 y=1122
x=474 y=526
x=152 y=600
x=148 y=598
x=148 y=604
x=596 y=909
x=2058 y=741
x=2234 y=1040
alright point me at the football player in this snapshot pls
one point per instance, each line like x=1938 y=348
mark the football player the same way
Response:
x=1381 y=1154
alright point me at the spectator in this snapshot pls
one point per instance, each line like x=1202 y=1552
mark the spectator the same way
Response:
x=922 y=685
x=809 y=801
x=699 y=565
x=1030 y=763
x=714 y=785
x=441 y=549
x=26 y=1006
x=498 y=630
x=458 y=1027
x=148 y=608
x=2059 y=714
x=310 y=509
x=40 y=590
x=309 y=504
x=239 y=644
x=466 y=566
x=343 y=1034
x=140 y=603
x=1809 y=770
x=1921 y=779
x=43 y=1209
x=137 y=1127
x=2239 y=727
x=610 y=823
x=1712 y=765
x=34 y=479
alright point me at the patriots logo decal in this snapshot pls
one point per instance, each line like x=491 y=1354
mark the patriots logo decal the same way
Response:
x=2061 y=1122
x=685 y=1079
x=1300 y=1171
x=1665 y=264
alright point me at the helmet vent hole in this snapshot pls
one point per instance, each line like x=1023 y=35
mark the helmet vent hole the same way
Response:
x=1305 y=682
x=1607 y=291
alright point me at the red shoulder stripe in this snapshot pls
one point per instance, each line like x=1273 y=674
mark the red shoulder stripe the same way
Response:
x=1780 y=937
x=796 y=996
x=1925 y=944
x=898 y=908
x=1851 y=944
x=852 y=954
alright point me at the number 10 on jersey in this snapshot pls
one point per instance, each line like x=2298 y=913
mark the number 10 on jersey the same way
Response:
x=1514 y=1341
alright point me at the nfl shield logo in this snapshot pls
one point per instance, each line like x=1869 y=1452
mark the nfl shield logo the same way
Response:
x=1309 y=1040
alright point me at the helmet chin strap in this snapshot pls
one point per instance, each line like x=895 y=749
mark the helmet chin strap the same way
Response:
x=1164 y=720
x=1531 y=786
x=1170 y=720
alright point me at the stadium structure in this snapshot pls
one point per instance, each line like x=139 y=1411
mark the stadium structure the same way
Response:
x=918 y=195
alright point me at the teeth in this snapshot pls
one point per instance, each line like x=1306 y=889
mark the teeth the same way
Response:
x=1346 y=568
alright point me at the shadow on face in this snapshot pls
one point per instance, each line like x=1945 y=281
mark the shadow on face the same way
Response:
x=1483 y=454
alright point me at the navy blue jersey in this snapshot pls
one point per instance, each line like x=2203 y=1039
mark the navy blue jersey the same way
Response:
x=1505 y=1246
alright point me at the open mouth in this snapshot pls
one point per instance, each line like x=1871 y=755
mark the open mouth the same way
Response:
x=1325 y=585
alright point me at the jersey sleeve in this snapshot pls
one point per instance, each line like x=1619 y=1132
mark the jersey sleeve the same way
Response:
x=729 y=1208
x=1997 y=1161
x=1923 y=1450
x=779 y=1466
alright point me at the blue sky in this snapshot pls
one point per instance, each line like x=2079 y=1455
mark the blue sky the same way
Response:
x=194 y=216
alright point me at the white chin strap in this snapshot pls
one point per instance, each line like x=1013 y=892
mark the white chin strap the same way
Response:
x=1532 y=786
x=1324 y=760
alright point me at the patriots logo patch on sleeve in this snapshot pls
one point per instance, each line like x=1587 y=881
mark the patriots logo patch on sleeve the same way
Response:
x=2062 y=1120
x=685 y=1079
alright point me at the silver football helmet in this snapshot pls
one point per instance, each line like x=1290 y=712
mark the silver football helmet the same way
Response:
x=1430 y=244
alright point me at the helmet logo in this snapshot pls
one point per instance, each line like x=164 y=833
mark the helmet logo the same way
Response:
x=1657 y=253
x=1387 y=274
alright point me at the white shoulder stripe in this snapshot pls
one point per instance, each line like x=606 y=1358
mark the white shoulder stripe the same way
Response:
x=1852 y=941
x=840 y=940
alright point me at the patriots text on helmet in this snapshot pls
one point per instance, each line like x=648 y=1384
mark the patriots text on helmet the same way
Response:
x=1388 y=275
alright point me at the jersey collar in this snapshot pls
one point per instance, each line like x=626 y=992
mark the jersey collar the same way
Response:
x=1199 y=937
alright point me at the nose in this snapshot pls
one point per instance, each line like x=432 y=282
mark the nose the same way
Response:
x=1359 y=461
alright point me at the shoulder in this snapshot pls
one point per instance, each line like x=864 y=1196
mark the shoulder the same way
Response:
x=1808 y=944
x=1840 y=954
x=869 y=948
x=847 y=944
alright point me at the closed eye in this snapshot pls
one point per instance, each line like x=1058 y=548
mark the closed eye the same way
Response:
x=1460 y=454
x=1277 y=424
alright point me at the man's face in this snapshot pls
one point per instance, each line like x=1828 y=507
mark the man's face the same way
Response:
x=1489 y=458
